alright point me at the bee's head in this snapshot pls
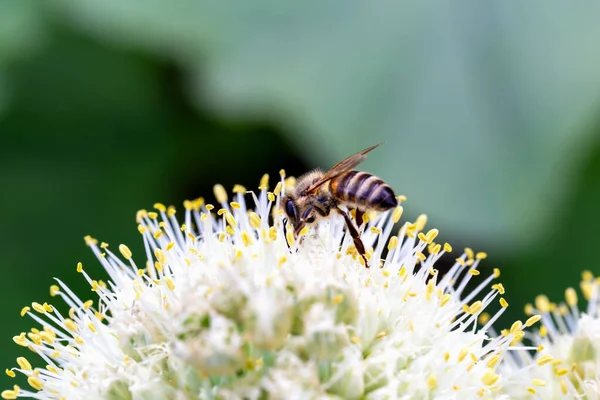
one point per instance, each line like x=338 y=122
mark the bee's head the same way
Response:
x=297 y=215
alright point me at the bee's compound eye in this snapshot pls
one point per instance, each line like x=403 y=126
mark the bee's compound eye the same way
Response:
x=290 y=210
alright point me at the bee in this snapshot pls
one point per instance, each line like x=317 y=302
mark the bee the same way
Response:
x=317 y=194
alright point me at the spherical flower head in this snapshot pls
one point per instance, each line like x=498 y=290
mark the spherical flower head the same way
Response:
x=229 y=304
x=569 y=343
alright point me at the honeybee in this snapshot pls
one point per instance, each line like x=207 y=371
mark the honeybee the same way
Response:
x=317 y=194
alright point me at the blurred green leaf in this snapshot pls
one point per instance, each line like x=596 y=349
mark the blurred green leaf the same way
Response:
x=21 y=30
x=490 y=98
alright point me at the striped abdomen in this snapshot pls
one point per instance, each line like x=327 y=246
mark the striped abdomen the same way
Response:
x=363 y=190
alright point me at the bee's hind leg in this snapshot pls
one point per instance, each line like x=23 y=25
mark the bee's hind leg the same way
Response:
x=360 y=247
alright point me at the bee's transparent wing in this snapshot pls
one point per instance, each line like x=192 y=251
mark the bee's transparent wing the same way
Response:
x=341 y=167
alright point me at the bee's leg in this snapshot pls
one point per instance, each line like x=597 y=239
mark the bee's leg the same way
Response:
x=360 y=247
x=359 y=215
x=285 y=233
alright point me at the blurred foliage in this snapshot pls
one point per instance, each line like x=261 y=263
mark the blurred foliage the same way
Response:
x=487 y=111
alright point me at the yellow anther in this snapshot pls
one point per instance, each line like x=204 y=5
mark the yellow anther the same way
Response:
x=542 y=303
x=503 y=302
x=158 y=266
x=561 y=372
x=21 y=340
x=571 y=297
x=469 y=253
x=91 y=327
x=273 y=233
x=436 y=249
x=24 y=364
x=531 y=390
x=447 y=247
x=229 y=230
x=496 y=273
x=152 y=215
x=445 y=299
x=421 y=236
x=474 y=272
x=484 y=318
x=446 y=356
x=54 y=289
x=170 y=283
x=72 y=313
x=254 y=220
x=499 y=287
x=270 y=196
x=47 y=307
x=381 y=334
x=532 y=320
x=365 y=217
x=463 y=354
x=375 y=230
x=79 y=267
x=230 y=219
x=170 y=245
x=421 y=222
x=304 y=231
x=171 y=211
x=38 y=307
x=541 y=348
x=337 y=299
x=125 y=251
x=489 y=377
x=210 y=207
x=160 y=207
x=493 y=361
x=79 y=340
x=140 y=272
x=397 y=214
x=432 y=382
x=587 y=276
x=282 y=260
x=235 y=205
x=70 y=324
x=221 y=211
x=239 y=189
x=543 y=331
x=528 y=309
x=431 y=235
x=587 y=289
x=460 y=261
x=481 y=255
x=264 y=182
x=9 y=394
x=517 y=326
x=10 y=373
x=475 y=307
x=157 y=234
x=402 y=271
x=246 y=239
x=160 y=255
x=544 y=360
x=538 y=382
x=420 y=256
x=25 y=310
x=90 y=240
x=35 y=383
x=220 y=193
x=141 y=229
x=103 y=245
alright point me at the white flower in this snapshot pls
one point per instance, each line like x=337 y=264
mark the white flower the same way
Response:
x=571 y=341
x=229 y=305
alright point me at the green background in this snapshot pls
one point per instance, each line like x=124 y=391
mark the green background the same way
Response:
x=490 y=117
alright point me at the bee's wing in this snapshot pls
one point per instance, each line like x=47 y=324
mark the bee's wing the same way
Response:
x=341 y=167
